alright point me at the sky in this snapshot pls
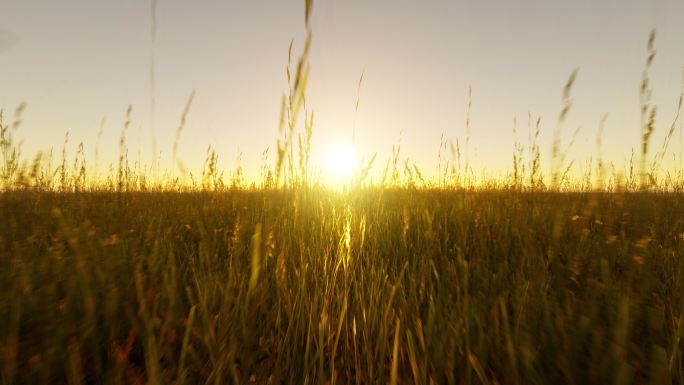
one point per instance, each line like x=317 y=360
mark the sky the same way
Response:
x=79 y=63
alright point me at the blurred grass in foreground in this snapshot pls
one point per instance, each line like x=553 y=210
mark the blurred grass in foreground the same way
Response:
x=311 y=286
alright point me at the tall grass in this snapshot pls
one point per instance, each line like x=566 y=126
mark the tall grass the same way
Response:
x=407 y=278
x=378 y=286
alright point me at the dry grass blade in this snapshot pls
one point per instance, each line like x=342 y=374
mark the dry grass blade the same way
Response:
x=394 y=371
x=255 y=259
x=366 y=169
x=181 y=127
x=356 y=106
x=308 y=4
x=475 y=363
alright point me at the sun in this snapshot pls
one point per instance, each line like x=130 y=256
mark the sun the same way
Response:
x=341 y=164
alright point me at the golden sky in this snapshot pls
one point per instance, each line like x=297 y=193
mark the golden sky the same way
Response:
x=77 y=62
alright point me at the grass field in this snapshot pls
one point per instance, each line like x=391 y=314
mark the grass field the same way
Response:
x=138 y=276
x=373 y=286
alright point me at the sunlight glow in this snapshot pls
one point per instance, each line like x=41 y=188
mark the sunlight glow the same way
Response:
x=341 y=164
